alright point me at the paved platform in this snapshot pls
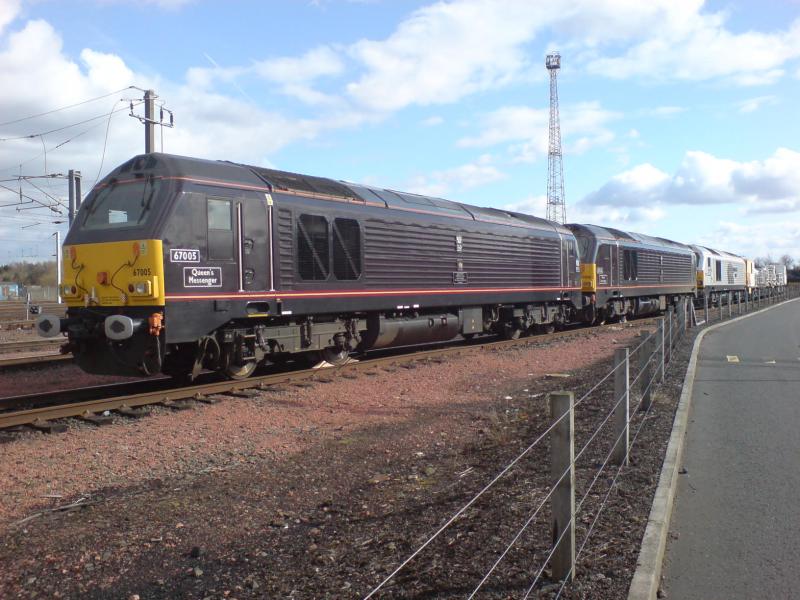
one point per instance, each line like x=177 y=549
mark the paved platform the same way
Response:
x=737 y=508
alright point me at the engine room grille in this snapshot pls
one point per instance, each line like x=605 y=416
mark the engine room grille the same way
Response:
x=313 y=256
x=346 y=249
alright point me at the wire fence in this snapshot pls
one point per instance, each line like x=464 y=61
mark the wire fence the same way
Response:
x=636 y=373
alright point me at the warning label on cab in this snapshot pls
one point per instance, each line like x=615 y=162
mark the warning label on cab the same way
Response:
x=202 y=277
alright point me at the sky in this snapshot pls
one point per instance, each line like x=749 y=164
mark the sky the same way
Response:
x=679 y=117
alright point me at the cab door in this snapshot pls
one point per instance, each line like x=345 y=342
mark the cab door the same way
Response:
x=253 y=243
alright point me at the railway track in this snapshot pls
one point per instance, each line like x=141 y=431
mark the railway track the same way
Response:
x=19 y=324
x=41 y=359
x=16 y=311
x=40 y=410
x=34 y=345
x=13 y=316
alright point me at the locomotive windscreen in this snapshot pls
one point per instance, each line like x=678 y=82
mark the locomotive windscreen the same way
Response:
x=121 y=205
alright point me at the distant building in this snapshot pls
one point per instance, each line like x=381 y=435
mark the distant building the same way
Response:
x=9 y=291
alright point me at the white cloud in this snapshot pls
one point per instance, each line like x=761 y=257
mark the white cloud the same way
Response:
x=761 y=186
x=510 y=123
x=445 y=51
x=688 y=44
x=294 y=75
x=317 y=62
x=532 y=205
x=9 y=9
x=583 y=127
x=753 y=104
x=43 y=77
x=776 y=179
x=758 y=78
x=769 y=237
x=433 y=121
x=463 y=177
x=663 y=111
x=163 y=4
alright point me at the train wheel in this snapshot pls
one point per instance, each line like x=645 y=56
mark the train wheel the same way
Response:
x=335 y=356
x=242 y=371
x=510 y=332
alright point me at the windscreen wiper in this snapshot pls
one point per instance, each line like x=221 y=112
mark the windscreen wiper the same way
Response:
x=95 y=203
x=146 y=203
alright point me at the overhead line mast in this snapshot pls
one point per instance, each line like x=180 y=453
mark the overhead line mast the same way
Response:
x=556 y=202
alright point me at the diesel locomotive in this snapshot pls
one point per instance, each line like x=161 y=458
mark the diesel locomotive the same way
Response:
x=177 y=264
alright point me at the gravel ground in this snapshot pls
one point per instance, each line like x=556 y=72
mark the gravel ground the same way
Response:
x=320 y=490
x=38 y=378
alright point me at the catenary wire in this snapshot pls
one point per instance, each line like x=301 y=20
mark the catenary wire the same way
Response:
x=105 y=144
x=82 y=102
x=56 y=147
x=57 y=129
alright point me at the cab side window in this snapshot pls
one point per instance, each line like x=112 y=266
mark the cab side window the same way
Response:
x=220 y=229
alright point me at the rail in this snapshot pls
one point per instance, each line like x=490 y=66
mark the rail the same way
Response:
x=44 y=408
x=34 y=345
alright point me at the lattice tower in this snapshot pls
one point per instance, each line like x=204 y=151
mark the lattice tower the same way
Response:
x=556 y=202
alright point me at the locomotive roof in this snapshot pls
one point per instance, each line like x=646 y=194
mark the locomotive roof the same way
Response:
x=609 y=233
x=322 y=187
x=716 y=252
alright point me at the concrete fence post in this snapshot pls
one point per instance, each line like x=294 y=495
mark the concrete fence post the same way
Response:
x=705 y=306
x=730 y=304
x=646 y=367
x=562 y=443
x=670 y=318
x=660 y=349
x=688 y=315
x=685 y=317
x=622 y=401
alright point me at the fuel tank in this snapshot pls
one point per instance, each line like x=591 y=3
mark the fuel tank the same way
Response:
x=387 y=332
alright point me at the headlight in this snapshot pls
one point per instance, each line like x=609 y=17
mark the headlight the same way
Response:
x=141 y=288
